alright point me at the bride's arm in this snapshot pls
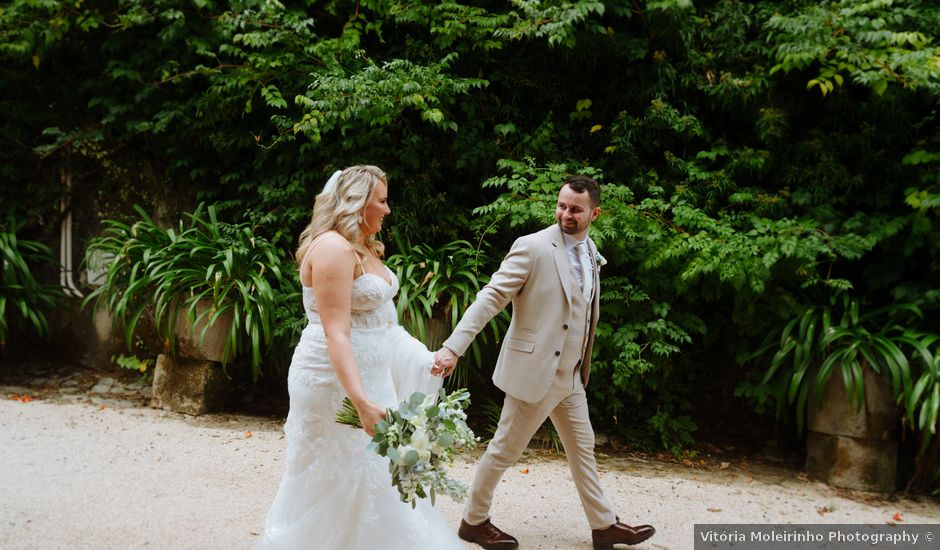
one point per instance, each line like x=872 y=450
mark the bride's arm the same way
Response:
x=332 y=278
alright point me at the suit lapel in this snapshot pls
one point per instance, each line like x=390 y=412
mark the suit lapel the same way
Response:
x=560 y=253
x=595 y=271
x=595 y=302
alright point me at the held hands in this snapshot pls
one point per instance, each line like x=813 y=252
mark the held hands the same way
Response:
x=445 y=361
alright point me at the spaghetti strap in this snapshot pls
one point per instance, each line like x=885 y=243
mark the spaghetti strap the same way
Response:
x=319 y=239
x=362 y=268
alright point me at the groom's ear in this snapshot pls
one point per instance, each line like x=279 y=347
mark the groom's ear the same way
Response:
x=595 y=213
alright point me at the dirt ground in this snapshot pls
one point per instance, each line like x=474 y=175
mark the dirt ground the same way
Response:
x=85 y=464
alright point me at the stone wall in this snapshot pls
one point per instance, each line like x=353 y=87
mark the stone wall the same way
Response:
x=853 y=448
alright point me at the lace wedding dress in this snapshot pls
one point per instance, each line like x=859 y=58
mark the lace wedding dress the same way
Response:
x=335 y=493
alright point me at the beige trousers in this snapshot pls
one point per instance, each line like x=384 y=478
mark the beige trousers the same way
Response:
x=566 y=405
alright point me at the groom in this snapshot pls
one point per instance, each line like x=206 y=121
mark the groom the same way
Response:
x=551 y=278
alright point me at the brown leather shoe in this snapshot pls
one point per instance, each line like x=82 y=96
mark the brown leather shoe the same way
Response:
x=487 y=535
x=619 y=533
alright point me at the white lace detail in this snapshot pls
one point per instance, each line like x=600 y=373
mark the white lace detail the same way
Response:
x=372 y=305
x=335 y=493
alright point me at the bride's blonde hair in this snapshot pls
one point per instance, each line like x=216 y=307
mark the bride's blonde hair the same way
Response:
x=340 y=209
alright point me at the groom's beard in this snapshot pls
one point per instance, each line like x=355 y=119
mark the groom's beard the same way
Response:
x=573 y=229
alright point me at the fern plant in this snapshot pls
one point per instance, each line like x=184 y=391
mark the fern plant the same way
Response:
x=921 y=398
x=23 y=299
x=922 y=408
x=168 y=272
x=837 y=339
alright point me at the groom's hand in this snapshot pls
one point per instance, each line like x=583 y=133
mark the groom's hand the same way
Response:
x=445 y=361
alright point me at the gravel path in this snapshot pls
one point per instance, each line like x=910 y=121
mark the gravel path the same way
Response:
x=103 y=473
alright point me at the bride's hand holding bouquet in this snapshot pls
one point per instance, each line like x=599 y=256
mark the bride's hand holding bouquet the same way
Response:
x=420 y=439
x=371 y=413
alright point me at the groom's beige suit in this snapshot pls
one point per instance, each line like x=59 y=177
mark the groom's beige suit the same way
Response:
x=543 y=365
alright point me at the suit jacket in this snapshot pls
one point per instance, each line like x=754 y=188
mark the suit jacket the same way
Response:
x=536 y=277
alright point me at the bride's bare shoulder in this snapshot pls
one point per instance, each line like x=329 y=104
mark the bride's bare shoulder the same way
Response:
x=330 y=255
x=331 y=243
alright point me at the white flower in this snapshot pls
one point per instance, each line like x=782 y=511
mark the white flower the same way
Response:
x=435 y=441
x=601 y=261
x=421 y=443
x=419 y=420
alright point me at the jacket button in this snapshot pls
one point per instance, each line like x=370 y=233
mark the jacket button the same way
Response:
x=564 y=327
x=557 y=353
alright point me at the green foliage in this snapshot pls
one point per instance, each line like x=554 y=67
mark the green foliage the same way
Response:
x=556 y=22
x=675 y=433
x=921 y=397
x=379 y=95
x=23 y=299
x=171 y=272
x=837 y=338
x=874 y=44
x=636 y=332
x=134 y=363
x=755 y=155
x=674 y=249
x=841 y=339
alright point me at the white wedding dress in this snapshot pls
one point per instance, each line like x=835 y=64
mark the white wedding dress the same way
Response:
x=335 y=493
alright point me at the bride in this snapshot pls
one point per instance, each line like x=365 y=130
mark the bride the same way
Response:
x=335 y=493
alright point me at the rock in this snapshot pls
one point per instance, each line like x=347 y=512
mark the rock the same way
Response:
x=837 y=414
x=16 y=390
x=121 y=389
x=188 y=386
x=853 y=463
x=103 y=385
x=854 y=447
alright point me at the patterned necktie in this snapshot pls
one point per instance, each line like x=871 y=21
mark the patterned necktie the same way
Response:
x=587 y=272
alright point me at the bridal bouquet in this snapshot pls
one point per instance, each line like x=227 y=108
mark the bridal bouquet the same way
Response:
x=419 y=439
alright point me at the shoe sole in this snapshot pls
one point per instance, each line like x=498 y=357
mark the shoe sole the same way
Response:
x=610 y=545
x=507 y=546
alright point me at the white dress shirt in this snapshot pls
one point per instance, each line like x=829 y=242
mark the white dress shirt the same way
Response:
x=571 y=246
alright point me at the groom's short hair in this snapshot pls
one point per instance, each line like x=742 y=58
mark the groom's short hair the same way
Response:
x=580 y=184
